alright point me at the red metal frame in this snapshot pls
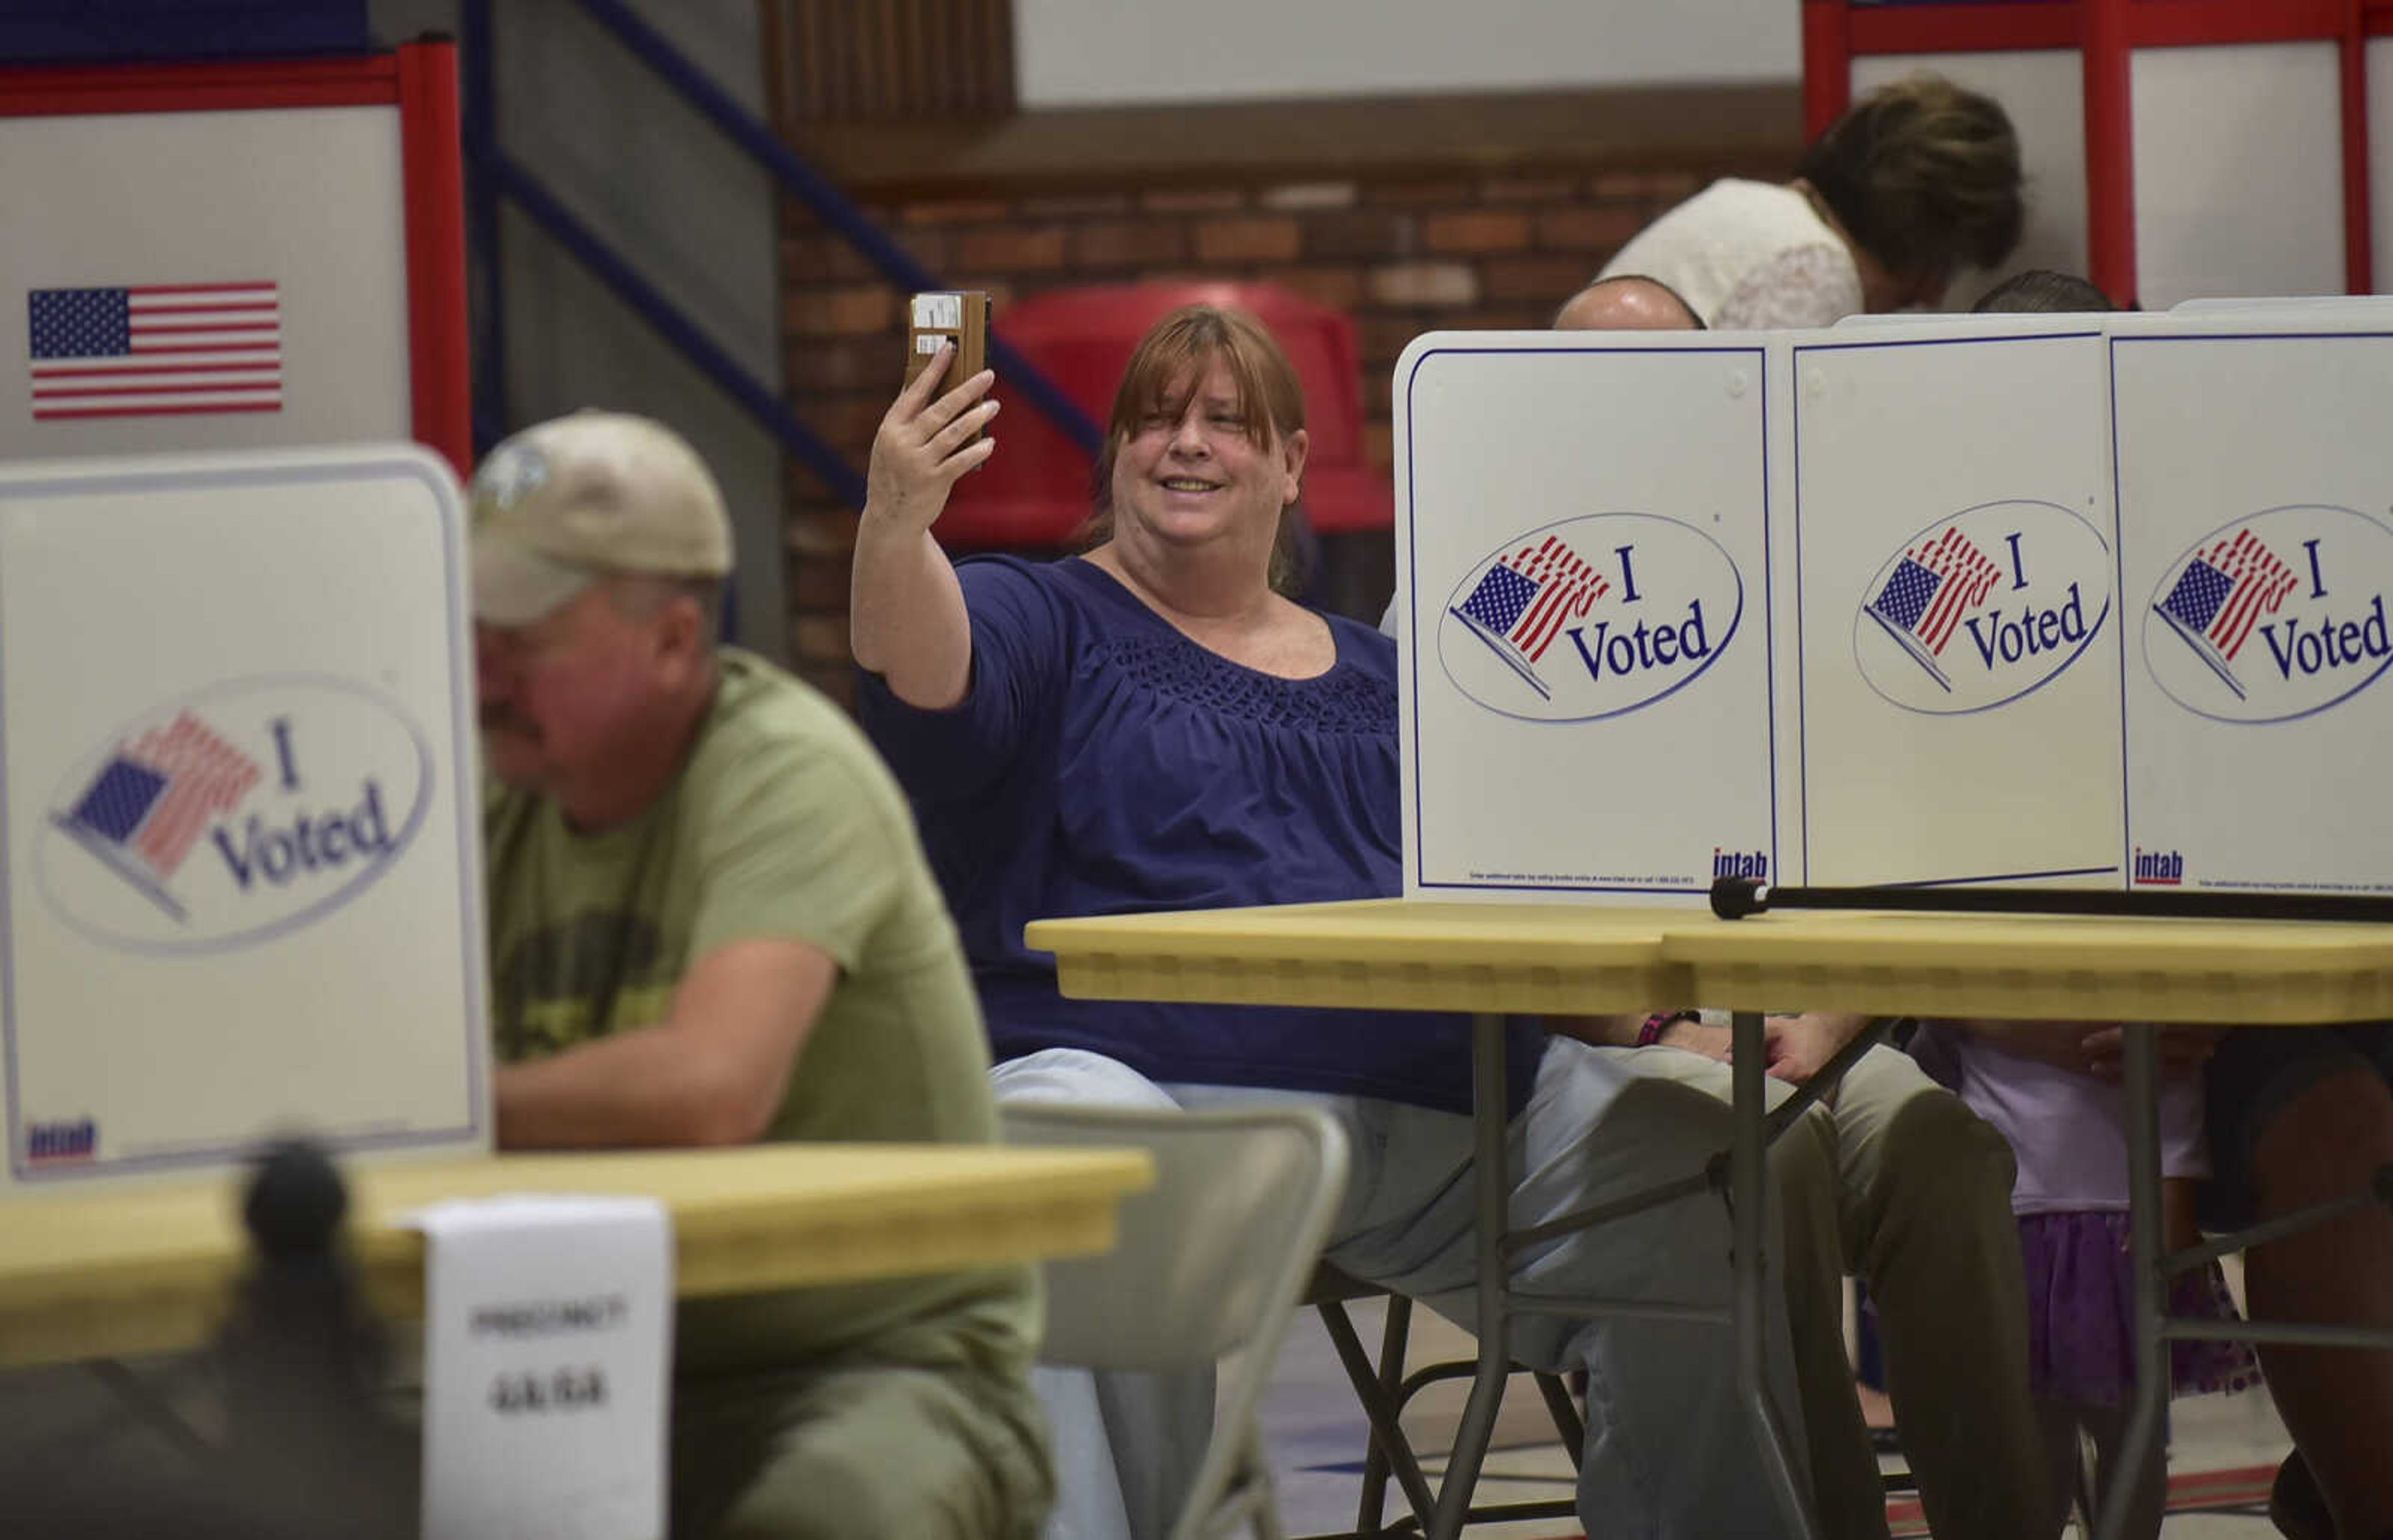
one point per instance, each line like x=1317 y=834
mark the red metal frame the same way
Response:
x=2110 y=150
x=2358 y=209
x=420 y=81
x=1827 y=65
x=46 y=93
x=433 y=170
x=1966 y=29
x=2106 y=32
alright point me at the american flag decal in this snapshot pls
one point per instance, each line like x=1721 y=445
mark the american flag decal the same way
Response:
x=1933 y=586
x=147 y=807
x=2221 y=595
x=154 y=350
x=1525 y=599
x=2223 y=592
x=1930 y=590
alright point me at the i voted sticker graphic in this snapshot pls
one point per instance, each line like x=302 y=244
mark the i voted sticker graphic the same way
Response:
x=1590 y=618
x=233 y=814
x=2274 y=616
x=1982 y=606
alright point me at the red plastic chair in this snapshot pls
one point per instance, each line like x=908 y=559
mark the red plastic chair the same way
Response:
x=1034 y=491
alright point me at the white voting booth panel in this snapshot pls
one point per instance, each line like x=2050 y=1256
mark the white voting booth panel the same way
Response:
x=1956 y=662
x=244 y=284
x=2256 y=553
x=237 y=791
x=1585 y=610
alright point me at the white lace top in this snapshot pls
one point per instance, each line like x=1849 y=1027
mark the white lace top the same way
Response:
x=1748 y=257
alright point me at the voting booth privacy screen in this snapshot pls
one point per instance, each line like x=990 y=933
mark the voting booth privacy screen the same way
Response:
x=1590 y=635
x=2086 y=601
x=233 y=256
x=239 y=803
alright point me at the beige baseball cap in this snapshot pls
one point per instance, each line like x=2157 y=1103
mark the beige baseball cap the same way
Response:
x=568 y=501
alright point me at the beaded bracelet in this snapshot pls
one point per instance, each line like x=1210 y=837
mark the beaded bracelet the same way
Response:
x=1650 y=1033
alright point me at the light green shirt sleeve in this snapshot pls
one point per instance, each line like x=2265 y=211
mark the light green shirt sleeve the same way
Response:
x=796 y=846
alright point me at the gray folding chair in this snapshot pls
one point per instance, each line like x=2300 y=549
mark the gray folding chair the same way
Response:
x=1211 y=1262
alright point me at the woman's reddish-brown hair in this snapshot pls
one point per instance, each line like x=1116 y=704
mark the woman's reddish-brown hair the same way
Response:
x=1167 y=364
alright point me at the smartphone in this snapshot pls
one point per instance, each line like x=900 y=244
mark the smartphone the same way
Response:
x=958 y=317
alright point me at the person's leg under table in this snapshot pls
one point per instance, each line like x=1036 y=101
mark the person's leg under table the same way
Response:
x=2146 y=1486
x=1670 y=1449
x=2057 y=1425
x=857 y=1449
x=1807 y=1268
x=1419 y=1184
x=1926 y=1222
x=2305 y=1118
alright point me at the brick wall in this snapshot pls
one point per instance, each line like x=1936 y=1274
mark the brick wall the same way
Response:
x=1401 y=254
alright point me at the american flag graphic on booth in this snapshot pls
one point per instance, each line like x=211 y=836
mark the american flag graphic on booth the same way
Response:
x=154 y=350
x=2222 y=592
x=1933 y=586
x=150 y=804
x=1526 y=598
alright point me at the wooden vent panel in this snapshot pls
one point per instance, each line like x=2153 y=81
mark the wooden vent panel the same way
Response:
x=876 y=61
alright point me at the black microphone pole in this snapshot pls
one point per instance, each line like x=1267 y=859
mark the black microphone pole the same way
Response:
x=1736 y=897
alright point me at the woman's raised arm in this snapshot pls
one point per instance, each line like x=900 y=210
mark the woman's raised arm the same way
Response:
x=906 y=614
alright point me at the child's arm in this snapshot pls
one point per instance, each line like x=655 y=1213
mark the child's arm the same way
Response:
x=2098 y=1048
x=2184 y=1049
x=2059 y=1044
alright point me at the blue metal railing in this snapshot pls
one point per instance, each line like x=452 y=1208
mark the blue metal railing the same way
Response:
x=492 y=177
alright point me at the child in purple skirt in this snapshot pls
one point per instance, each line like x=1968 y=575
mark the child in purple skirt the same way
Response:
x=2068 y=1131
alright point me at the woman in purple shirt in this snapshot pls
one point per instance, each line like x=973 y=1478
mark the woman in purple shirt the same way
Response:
x=1153 y=726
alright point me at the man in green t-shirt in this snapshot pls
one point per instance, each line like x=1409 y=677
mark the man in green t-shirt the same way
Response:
x=712 y=923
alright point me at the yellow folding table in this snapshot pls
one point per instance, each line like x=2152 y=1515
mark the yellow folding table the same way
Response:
x=1489 y=960
x=133 y=1271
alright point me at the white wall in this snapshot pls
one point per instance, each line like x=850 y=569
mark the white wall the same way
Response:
x=1080 y=53
x=685 y=208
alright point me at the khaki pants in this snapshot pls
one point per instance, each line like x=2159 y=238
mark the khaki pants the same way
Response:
x=1923 y=1216
x=857 y=1452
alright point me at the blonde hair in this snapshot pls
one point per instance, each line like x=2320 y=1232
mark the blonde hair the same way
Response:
x=1169 y=363
x=1924 y=175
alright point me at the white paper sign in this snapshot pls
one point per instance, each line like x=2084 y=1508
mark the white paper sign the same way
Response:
x=237 y=803
x=1957 y=664
x=1582 y=529
x=548 y=1338
x=2255 y=496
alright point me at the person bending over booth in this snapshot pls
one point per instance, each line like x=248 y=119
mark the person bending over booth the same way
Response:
x=1917 y=181
x=1151 y=725
x=712 y=923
